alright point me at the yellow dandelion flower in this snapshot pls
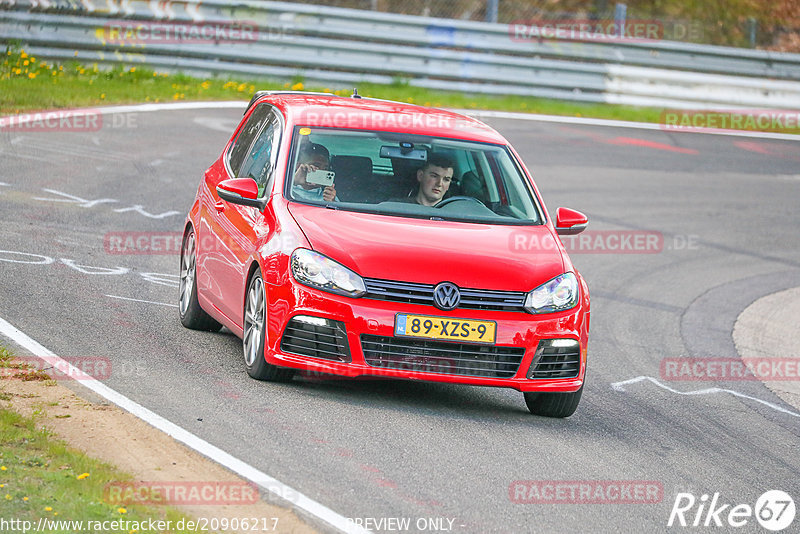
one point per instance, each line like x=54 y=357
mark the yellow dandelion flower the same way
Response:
x=155 y=74
x=76 y=53
x=33 y=59
x=2 y=467
x=23 y=55
x=122 y=510
x=2 y=485
x=26 y=63
x=48 y=508
x=133 y=69
x=133 y=530
x=298 y=86
x=82 y=476
x=8 y=497
x=242 y=87
x=205 y=85
x=25 y=499
x=31 y=75
x=102 y=96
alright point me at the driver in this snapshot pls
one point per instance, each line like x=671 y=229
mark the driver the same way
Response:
x=434 y=180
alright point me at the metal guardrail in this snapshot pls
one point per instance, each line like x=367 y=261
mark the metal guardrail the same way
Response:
x=334 y=45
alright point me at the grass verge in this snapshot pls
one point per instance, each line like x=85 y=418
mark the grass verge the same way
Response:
x=28 y=83
x=44 y=483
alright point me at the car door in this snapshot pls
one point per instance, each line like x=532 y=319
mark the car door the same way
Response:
x=232 y=230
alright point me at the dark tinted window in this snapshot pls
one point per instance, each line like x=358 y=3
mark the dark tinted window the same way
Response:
x=260 y=161
x=246 y=135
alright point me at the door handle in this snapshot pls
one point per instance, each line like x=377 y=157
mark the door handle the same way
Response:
x=220 y=205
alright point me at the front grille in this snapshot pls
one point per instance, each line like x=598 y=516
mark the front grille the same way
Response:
x=473 y=299
x=555 y=362
x=328 y=341
x=424 y=356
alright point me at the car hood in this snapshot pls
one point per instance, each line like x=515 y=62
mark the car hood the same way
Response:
x=481 y=256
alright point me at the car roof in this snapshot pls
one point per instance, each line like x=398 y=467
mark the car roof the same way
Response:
x=327 y=110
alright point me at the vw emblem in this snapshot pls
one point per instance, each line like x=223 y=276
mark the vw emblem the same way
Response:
x=446 y=296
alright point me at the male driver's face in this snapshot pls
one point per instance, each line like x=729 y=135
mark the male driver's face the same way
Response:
x=433 y=184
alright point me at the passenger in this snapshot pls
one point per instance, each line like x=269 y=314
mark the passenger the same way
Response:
x=312 y=157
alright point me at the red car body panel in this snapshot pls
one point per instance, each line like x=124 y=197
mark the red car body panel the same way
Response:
x=232 y=240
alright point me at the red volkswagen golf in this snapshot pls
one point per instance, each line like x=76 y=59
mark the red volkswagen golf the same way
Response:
x=355 y=237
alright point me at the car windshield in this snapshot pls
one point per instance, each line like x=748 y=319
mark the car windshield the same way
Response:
x=407 y=175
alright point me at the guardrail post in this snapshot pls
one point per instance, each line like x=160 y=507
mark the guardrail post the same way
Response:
x=491 y=10
x=620 y=14
x=752 y=24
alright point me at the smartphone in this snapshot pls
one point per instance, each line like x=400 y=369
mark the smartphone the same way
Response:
x=319 y=177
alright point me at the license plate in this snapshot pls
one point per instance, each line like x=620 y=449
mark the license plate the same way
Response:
x=446 y=328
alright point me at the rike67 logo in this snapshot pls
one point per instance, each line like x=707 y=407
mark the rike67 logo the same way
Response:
x=774 y=510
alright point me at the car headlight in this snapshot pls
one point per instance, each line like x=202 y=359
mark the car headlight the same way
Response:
x=315 y=270
x=560 y=293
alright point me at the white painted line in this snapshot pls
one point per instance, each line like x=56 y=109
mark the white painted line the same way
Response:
x=480 y=114
x=620 y=386
x=145 y=301
x=208 y=450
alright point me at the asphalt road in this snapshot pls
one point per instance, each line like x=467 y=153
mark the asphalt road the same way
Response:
x=726 y=208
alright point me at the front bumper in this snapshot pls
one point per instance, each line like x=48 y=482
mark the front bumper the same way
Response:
x=370 y=321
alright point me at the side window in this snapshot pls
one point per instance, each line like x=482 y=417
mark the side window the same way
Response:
x=260 y=160
x=245 y=138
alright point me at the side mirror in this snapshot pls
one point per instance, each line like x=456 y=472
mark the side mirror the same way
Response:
x=242 y=191
x=570 y=222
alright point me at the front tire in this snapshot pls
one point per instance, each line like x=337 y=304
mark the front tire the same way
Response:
x=254 y=335
x=553 y=404
x=192 y=315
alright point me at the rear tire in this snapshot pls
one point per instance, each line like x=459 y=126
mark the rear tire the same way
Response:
x=254 y=335
x=553 y=404
x=192 y=315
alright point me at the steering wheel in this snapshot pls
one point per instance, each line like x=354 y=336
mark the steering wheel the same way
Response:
x=450 y=200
